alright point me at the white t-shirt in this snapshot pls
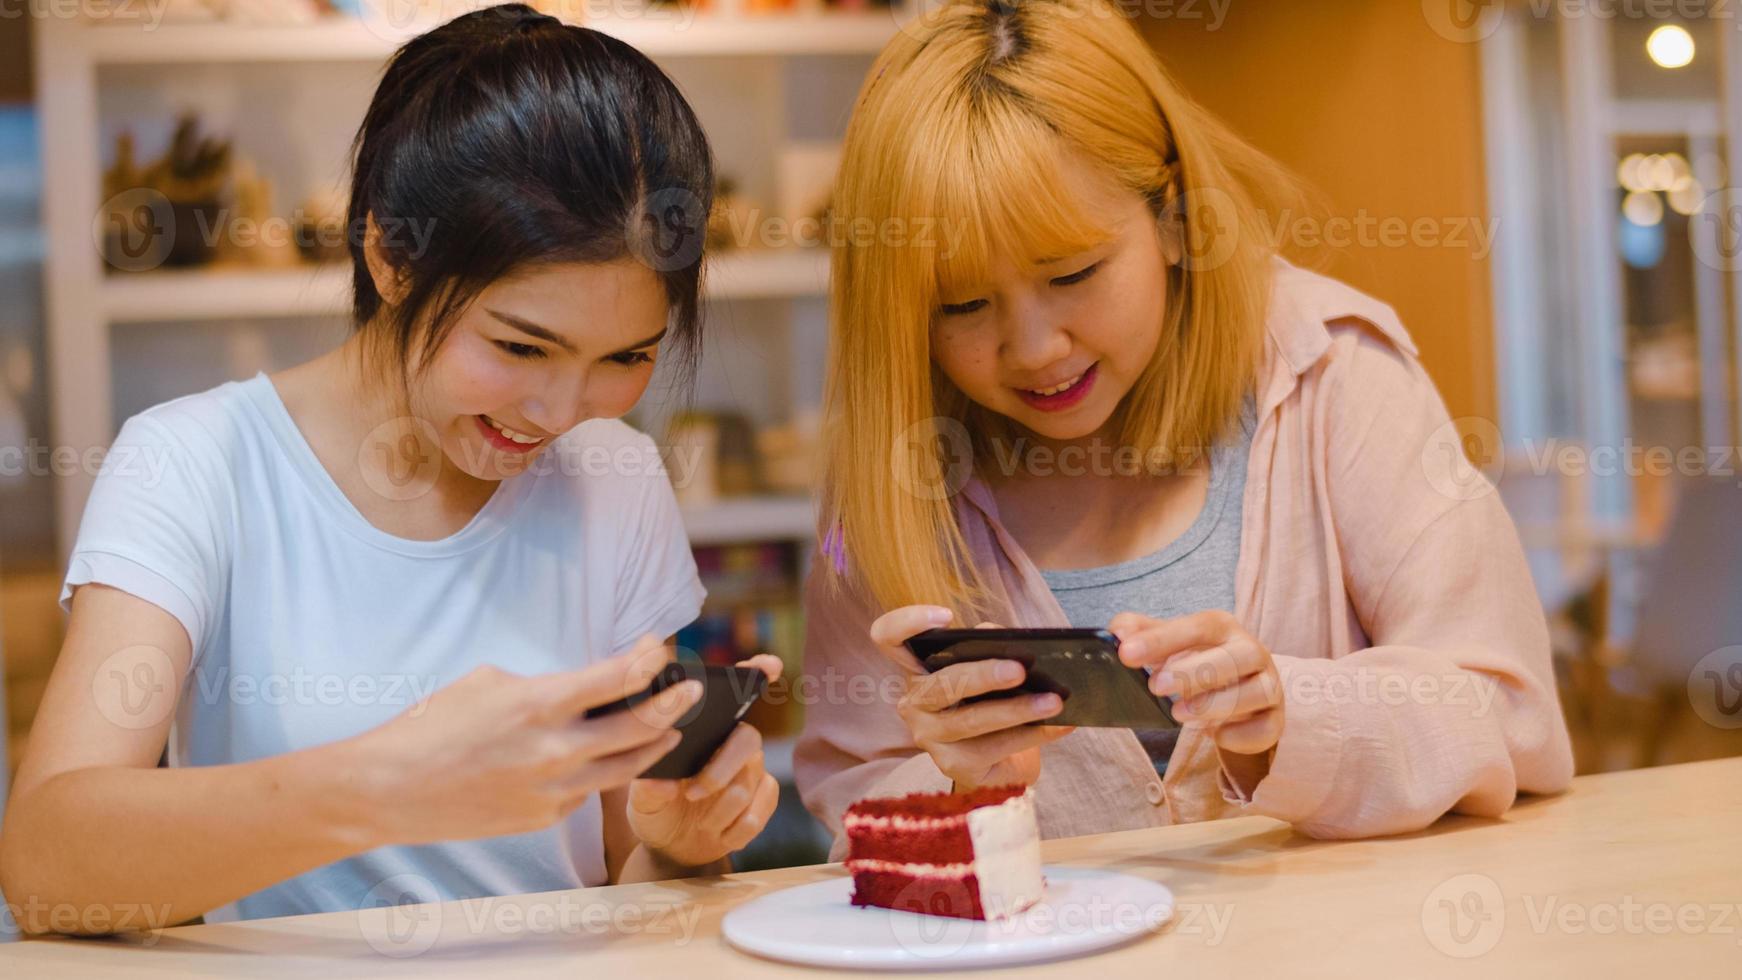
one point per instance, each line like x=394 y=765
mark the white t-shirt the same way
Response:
x=309 y=624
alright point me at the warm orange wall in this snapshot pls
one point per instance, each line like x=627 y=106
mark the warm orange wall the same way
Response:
x=1382 y=115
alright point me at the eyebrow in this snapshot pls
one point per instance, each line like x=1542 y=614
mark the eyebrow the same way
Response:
x=532 y=329
x=649 y=342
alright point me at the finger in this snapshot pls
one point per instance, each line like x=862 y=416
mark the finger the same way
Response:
x=986 y=717
x=895 y=627
x=653 y=795
x=1128 y=624
x=989 y=750
x=1253 y=734
x=1163 y=638
x=935 y=692
x=1249 y=696
x=619 y=769
x=768 y=663
x=744 y=830
x=988 y=625
x=572 y=692
x=1194 y=672
x=730 y=804
x=744 y=744
x=625 y=730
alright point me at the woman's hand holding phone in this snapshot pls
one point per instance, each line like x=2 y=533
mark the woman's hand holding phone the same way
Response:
x=497 y=753
x=982 y=744
x=696 y=821
x=1220 y=676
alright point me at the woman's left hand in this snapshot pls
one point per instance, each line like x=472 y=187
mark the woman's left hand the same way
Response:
x=697 y=821
x=1218 y=674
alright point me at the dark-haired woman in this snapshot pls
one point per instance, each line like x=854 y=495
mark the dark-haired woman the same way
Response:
x=365 y=603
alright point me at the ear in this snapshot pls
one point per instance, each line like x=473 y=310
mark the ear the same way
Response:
x=390 y=280
x=1170 y=230
x=1170 y=217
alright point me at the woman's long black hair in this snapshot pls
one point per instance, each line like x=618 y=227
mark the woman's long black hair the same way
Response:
x=506 y=138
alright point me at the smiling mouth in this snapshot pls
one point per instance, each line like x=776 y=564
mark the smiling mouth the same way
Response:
x=1066 y=394
x=508 y=439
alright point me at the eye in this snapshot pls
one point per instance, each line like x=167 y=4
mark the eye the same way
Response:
x=959 y=309
x=524 y=351
x=633 y=358
x=1077 y=276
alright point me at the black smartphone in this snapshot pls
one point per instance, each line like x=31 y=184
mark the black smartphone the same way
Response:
x=1081 y=666
x=727 y=693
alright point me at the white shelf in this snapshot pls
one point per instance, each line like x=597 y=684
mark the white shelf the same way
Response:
x=765 y=518
x=351 y=39
x=301 y=291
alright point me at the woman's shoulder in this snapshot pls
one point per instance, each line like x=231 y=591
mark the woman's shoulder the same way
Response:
x=205 y=428
x=1314 y=318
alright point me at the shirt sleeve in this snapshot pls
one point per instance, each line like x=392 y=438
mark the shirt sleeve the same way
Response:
x=155 y=527
x=1452 y=707
x=659 y=590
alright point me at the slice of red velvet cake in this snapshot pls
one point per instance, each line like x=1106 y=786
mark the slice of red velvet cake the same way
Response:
x=969 y=855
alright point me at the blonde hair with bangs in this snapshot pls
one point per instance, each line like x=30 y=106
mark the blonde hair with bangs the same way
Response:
x=951 y=159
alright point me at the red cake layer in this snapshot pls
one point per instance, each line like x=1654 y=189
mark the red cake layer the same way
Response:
x=921 y=805
x=950 y=844
x=958 y=898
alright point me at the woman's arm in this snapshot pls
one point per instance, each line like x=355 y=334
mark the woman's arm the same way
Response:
x=1452 y=707
x=97 y=837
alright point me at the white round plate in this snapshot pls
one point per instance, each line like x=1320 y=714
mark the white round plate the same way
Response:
x=1084 y=910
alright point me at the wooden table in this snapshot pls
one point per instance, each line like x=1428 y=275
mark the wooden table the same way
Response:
x=1635 y=874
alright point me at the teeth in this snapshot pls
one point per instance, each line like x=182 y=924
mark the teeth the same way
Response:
x=524 y=440
x=1056 y=389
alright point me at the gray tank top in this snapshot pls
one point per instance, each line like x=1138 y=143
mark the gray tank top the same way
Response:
x=1192 y=573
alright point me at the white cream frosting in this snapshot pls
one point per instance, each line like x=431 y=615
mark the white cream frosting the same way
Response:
x=1006 y=842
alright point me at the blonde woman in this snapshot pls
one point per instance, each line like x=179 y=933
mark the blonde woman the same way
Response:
x=1101 y=400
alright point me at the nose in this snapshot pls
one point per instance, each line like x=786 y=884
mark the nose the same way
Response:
x=1034 y=337
x=558 y=405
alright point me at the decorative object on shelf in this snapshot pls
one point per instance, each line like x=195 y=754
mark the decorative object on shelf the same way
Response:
x=805 y=171
x=694 y=437
x=320 y=225
x=729 y=208
x=255 y=236
x=789 y=454
x=718 y=453
x=181 y=195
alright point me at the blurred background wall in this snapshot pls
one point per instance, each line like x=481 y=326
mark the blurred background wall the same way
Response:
x=1384 y=117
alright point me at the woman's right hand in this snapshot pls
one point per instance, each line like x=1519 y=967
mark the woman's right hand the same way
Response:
x=497 y=753
x=987 y=743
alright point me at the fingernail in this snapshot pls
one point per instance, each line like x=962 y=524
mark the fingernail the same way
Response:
x=695 y=792
x=1046 y=703
x=1008 y=671
x=940 y=616
x=1165 y=682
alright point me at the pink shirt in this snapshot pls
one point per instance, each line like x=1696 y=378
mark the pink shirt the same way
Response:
x=1382 y=573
